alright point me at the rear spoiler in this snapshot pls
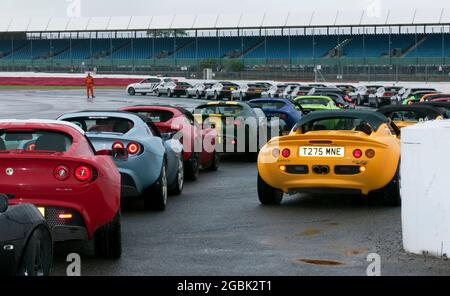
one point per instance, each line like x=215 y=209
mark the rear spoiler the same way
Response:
x=335 y=137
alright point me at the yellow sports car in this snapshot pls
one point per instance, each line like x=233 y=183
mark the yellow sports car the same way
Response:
x=406 y=115
x=344 y=151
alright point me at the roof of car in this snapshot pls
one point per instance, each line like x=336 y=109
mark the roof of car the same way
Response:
x=42 y=121
x=375 y=119
x=428 y=109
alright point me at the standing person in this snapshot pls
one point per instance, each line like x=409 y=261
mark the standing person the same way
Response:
x=89 y=82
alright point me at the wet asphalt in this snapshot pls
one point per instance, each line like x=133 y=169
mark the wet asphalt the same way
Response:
x=218 y=227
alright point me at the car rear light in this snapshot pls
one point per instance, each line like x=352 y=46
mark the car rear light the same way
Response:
x=65 y=216
x=388 y=94
x=83 y=173
x=357 y=153
x=370 y=153
x=276 y=153
x=286 y=153
x=133 y=148
x=118 y=145
x=61 y=173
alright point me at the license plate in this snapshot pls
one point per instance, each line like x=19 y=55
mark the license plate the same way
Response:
x=42 y=211
x=322 y=151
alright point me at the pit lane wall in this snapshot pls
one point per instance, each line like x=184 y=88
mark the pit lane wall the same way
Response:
x=425 y=176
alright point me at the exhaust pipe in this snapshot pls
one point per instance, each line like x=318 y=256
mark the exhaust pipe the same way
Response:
x=321 y=170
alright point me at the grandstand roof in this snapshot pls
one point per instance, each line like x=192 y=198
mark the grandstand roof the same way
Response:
x=322 y=18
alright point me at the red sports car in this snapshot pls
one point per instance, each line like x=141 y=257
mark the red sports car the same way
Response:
x=199 y=144
x=52 y=165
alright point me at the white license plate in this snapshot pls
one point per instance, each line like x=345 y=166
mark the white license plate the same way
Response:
x=322 y=151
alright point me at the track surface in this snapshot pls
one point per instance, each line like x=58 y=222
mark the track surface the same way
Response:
x=217 y=226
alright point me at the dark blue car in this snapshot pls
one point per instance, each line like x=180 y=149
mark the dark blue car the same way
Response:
x=285 y=109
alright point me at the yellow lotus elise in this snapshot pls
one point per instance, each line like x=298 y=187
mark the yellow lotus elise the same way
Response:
x=343 y=151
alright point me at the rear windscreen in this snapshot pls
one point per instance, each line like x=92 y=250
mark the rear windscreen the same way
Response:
x=102 y=124
x=338 y=124
x=226 y=110
x=35 y=140
x=157 y=115
x=270 y=104
x=313 y=101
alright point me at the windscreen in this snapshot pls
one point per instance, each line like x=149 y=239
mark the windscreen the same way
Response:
x=103 y=124
x=338 y=124
x=35 y=140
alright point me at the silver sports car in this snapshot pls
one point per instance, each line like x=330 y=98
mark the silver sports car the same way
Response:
x=154 y=164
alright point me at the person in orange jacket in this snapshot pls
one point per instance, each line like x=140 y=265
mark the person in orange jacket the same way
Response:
x=89 y=82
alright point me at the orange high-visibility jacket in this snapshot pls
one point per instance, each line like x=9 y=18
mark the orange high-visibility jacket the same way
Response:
x=89 y=81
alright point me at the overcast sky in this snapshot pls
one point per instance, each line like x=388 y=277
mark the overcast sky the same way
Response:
x=55 y=8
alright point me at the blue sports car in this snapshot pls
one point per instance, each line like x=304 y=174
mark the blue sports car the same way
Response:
x=153 y=163
x=285 y=109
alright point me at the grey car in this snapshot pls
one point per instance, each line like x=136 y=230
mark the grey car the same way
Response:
x=154 y=165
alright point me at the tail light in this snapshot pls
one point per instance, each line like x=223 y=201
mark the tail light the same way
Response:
x=118 y=145
x=370 y=153
x=388 y=94
x=357 y=153
x=65 y=216
x=31 y=147
x=286 y=153
x=61 y=173
x=133 y=148
x=83 y=173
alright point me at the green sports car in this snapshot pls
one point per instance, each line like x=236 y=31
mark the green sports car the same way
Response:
x=316 y=103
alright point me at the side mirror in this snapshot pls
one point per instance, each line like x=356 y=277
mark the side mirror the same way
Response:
x=105 y=152
x=119 y=153
x=3 y=203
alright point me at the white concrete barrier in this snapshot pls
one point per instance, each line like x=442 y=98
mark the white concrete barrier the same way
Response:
x=425 y=188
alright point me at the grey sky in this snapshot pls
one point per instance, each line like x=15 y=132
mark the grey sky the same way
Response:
x=55 y=8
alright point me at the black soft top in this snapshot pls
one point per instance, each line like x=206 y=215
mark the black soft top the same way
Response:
x=430 y=111
x=375 y=119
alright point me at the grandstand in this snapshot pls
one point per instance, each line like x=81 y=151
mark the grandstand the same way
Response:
x=342 y=42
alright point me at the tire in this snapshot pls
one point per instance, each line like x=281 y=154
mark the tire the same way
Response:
x=155 y=197
x=131 y=91
x=198 y=96
x=37 y=255
x=390 y=194
x=377 y=104
x=169 y=93
x=179 y=183
x=216 y=96
x=108 y=240
x=215 y=162
x=158 y=94
x=192 y=167
x=267 y=194
x=358 y=100
x=241 y=96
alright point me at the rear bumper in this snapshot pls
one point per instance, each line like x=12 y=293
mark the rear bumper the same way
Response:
x=69 y=233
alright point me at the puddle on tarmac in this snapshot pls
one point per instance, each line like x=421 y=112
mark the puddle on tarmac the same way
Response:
x=321 y=262
x=355 y=252
x=310 y=232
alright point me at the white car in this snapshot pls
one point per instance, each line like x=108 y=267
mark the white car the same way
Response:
x=146 y=86
x=276 y=91
x=198 y=90
x=221 y=90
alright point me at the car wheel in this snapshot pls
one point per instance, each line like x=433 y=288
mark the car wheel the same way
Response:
x=131 y=91
x=197 y=95
x=108 y=240
x=158 y=94
x=358 y=100
x=267 y=194
x=38 y=254
x=390 y=194
x=241 y=96
x=169 y=93
x=193 y=167
x=215 y=162
x=216 y=96
x=155 y=197
x=179 y=183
